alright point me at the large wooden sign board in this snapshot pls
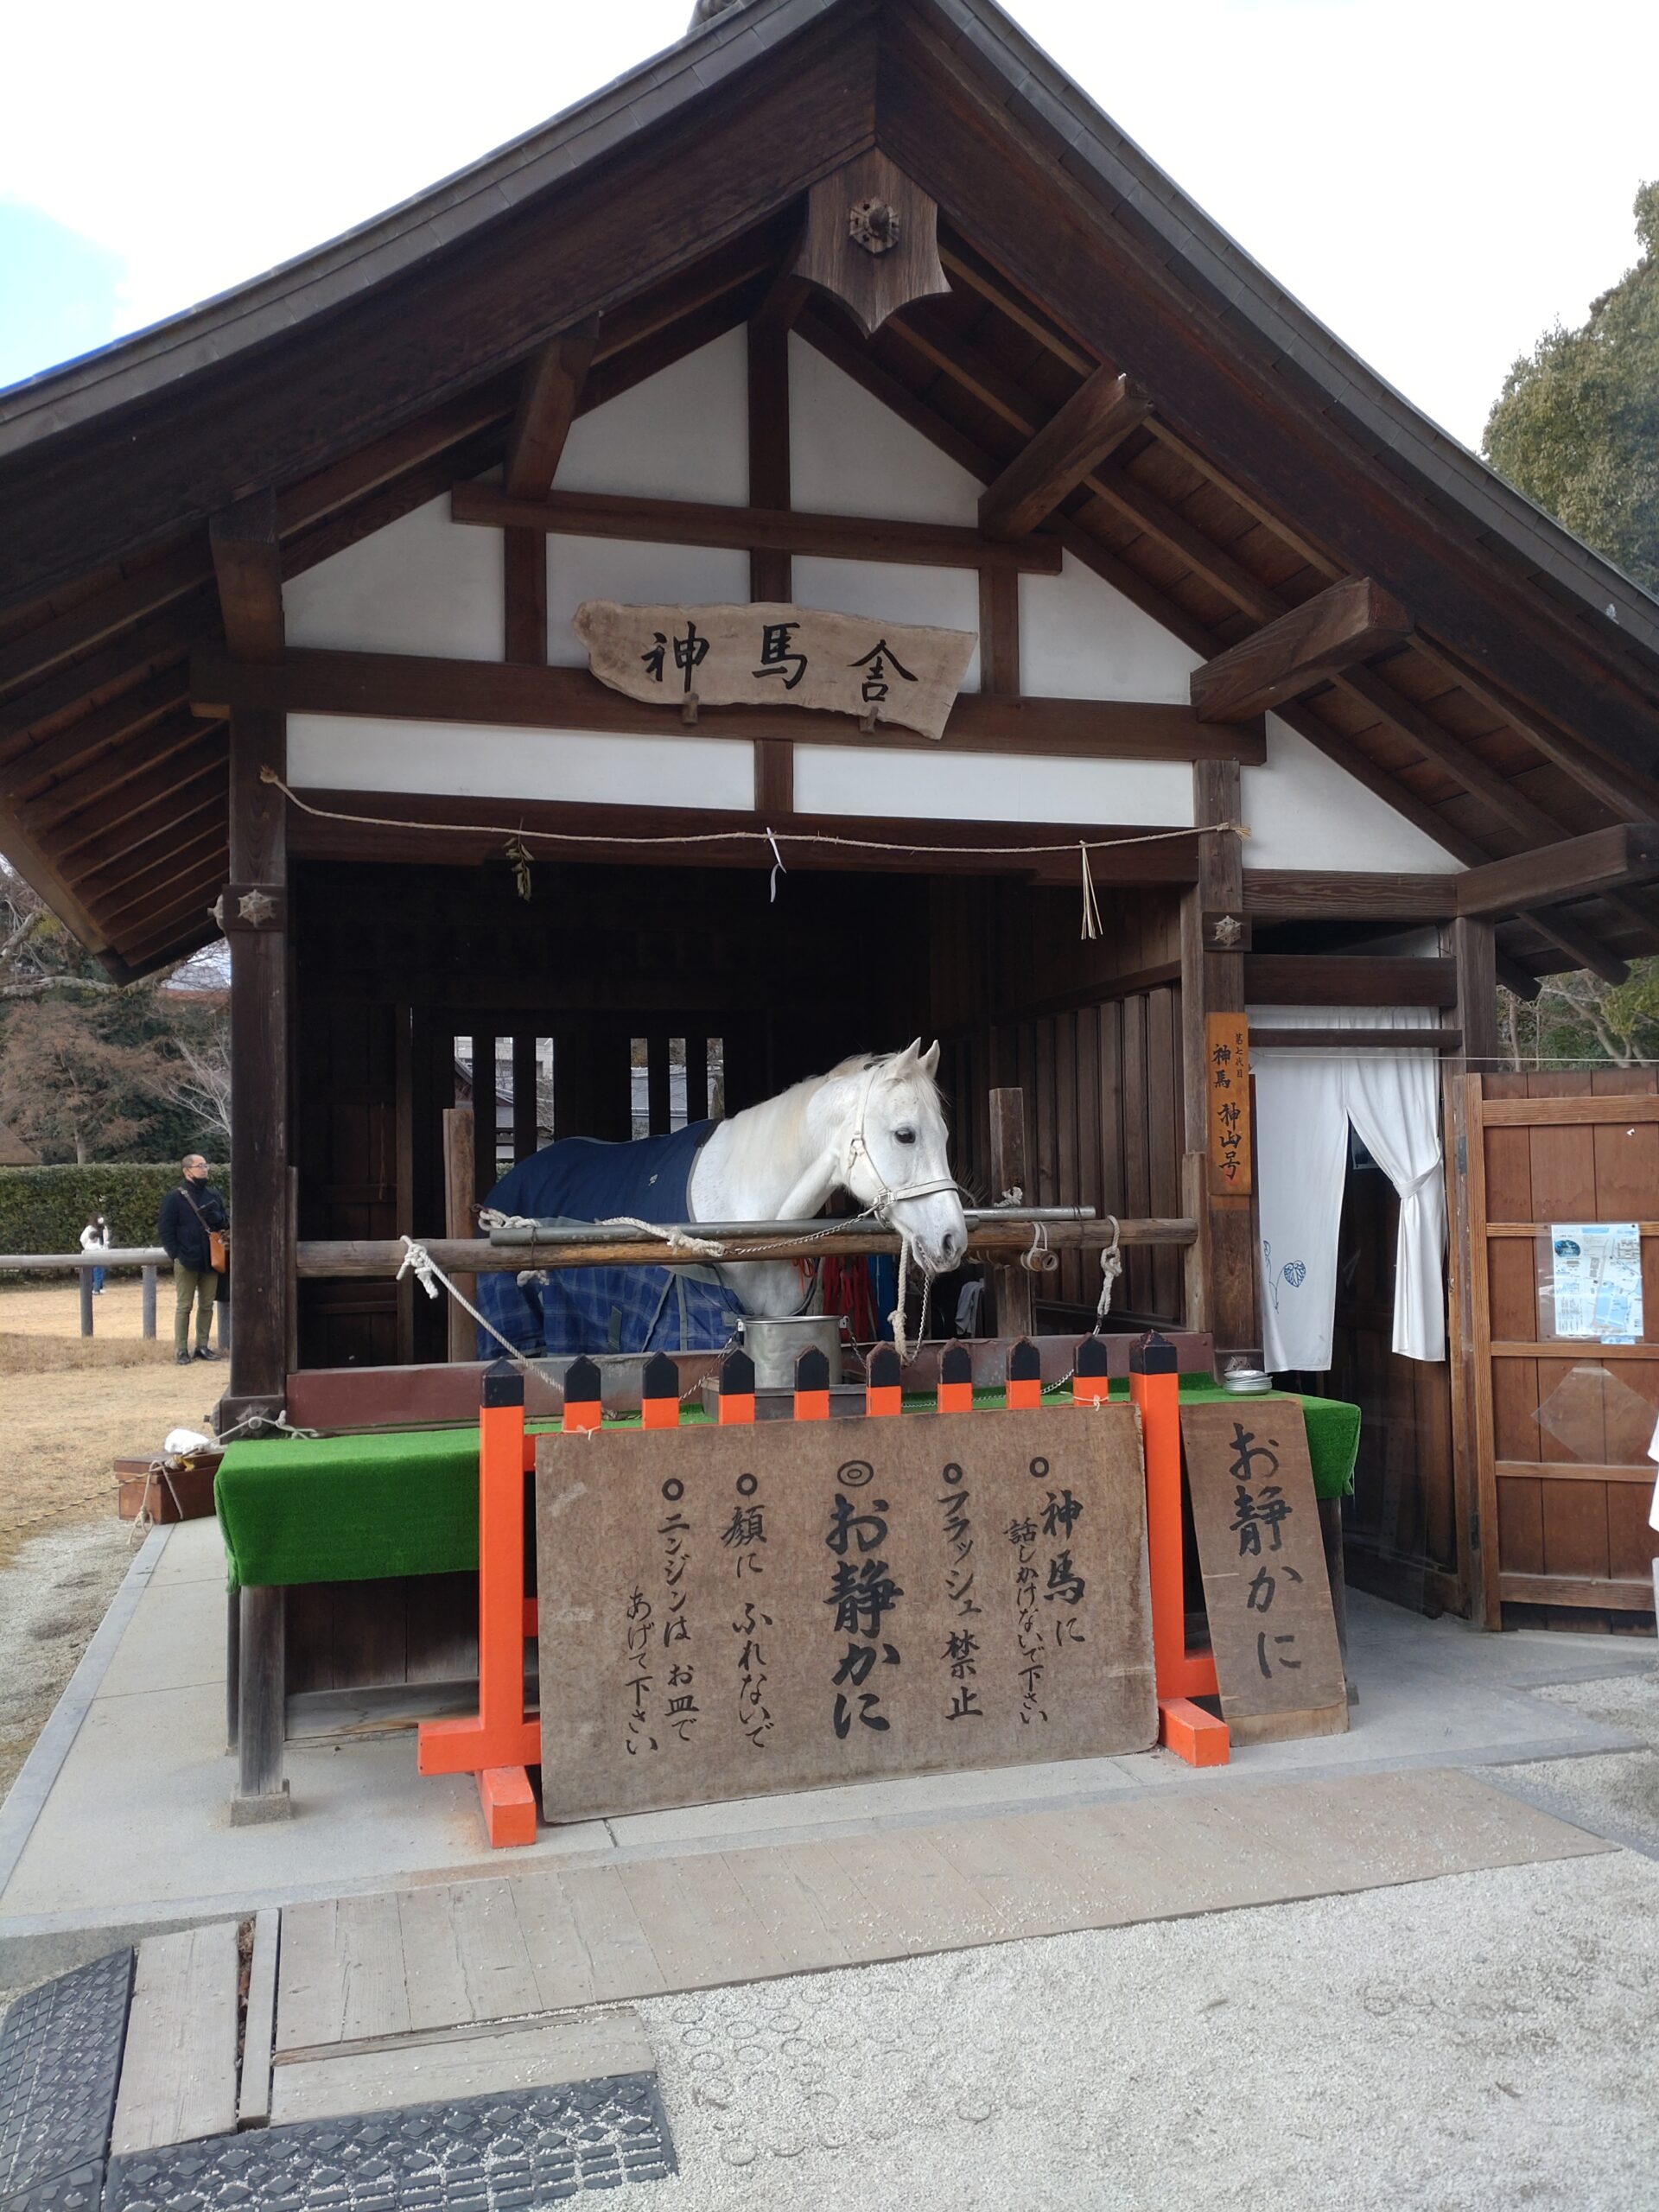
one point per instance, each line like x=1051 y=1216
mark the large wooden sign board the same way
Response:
x=726 y=1612
x=1278 y=1664
x=770 y=655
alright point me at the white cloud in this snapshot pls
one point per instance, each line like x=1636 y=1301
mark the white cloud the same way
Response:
x=1437 y=179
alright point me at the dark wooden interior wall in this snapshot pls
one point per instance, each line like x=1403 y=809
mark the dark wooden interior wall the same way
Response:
x=394 y=962
x=1089 y=1031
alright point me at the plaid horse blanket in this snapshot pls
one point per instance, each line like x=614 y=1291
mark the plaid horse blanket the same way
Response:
x=561 y=1311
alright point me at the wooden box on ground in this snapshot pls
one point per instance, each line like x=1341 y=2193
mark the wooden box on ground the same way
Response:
x=168 y=1489
x=728 y=1612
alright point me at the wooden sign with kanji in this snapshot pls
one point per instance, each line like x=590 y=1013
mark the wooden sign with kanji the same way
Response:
x=1227 y=1085
x=1278 y=1663
x=731 y=1611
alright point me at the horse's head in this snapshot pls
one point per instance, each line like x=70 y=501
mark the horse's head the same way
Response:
x=895 y=1155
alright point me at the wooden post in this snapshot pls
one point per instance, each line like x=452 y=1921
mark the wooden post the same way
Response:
x=261 y=1786
x=85 y=1279
x=484 y=1117
x=771 y=569
x=1212 y=981
x=1181 y=1675
x=1011 y=1286
x=458 y=1204
x=1472 y=945
x=259 y=1280
x=147 y=1276
x=403 y=1140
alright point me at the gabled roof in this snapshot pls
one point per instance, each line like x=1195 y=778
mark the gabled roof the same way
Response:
x=364 y=379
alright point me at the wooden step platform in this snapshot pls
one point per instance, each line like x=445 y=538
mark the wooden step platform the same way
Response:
x=360 y=1969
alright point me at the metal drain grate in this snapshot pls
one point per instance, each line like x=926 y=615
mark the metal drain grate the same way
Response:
x=60 y=2064
x=476 y=2154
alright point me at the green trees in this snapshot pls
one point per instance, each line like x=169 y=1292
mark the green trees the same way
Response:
x=1577 y=425
x=92 y=1071
x=1577 y=429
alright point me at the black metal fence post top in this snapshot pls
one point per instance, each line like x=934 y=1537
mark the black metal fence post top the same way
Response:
x=503 y=1385
x=812 y=1369
x=1152 y=1354
x=660 y=1377
x=957 y=1365
x=583 y=1382
x=884 y=1372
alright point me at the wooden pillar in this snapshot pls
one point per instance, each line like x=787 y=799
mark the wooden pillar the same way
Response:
x=1212 y=981
x=261 y=1702
x=459 y=1199
x=256 y=918
x=1471 y=942
x=524 y=1133
x=1011 y=1286
x=770 y=572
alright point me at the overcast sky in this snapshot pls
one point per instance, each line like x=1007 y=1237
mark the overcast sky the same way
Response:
x=1437 y=180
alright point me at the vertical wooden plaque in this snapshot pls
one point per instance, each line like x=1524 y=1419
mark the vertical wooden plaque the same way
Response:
x=1227 y=1083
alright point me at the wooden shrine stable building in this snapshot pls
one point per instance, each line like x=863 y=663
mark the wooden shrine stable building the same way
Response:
x=856 y=305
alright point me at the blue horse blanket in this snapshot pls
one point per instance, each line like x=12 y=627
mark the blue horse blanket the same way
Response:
x=569 y=1309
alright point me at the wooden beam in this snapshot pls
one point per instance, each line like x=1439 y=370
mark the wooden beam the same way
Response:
x=1577 y=867
x=685 y=521
x=1316 y=895
x=1221 y=1281
x=548 y=404
x=133 y=799
x=407 y=687
x=1095 y=420
x=1347 y=622
x=999 y=633
x=770 y=568
x=204 y=811
x=1341 y=979
x=203 y=842
x=447 y=831
x=248 y=564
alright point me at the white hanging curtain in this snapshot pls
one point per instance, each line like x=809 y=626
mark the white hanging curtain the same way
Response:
x=1305 y=1103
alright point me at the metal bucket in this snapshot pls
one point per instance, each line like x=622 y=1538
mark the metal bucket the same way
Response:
x=774 y=1346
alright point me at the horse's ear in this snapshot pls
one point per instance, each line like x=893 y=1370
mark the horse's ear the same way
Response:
x=910 y=1056
x=929 y=1062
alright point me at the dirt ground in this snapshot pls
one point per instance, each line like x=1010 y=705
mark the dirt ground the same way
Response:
x=69 y=1407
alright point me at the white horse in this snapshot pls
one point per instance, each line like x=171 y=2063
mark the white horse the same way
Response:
x=872 y=1126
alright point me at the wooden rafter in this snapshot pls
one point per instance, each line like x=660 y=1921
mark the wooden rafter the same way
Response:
x=106 y=727
x=248 y=566
x=1338 y=628
x=1094 y=421
x=198 y=812
x=1008 y=400
x=199 y=757
x=208 y=783
x=548 y=405
x=1578 y=867
x=116 y=773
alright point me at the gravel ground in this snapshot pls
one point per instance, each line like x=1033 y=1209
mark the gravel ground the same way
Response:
x=1483 y=2042
x=1615 y=1793
x=53 y=1595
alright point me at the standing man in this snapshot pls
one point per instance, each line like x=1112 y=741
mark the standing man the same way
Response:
x=192 y=1234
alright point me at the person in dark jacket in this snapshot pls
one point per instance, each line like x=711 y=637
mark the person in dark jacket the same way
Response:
x=187 y=1214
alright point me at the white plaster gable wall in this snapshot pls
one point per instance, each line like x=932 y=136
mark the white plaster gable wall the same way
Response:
x=1080 y=638
x=850 y=455
x=682 y=434
x=422 y=585
x=945 y=599
x=459 y=759
x=638 y=576
x=1302 y=810
x=856 y=779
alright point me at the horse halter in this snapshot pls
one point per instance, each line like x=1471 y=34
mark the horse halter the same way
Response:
x=887 y=1197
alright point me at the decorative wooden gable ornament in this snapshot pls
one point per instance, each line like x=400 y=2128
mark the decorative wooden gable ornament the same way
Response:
x=872 y=239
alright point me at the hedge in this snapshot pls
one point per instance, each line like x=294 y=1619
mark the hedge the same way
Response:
x=45 y=1209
